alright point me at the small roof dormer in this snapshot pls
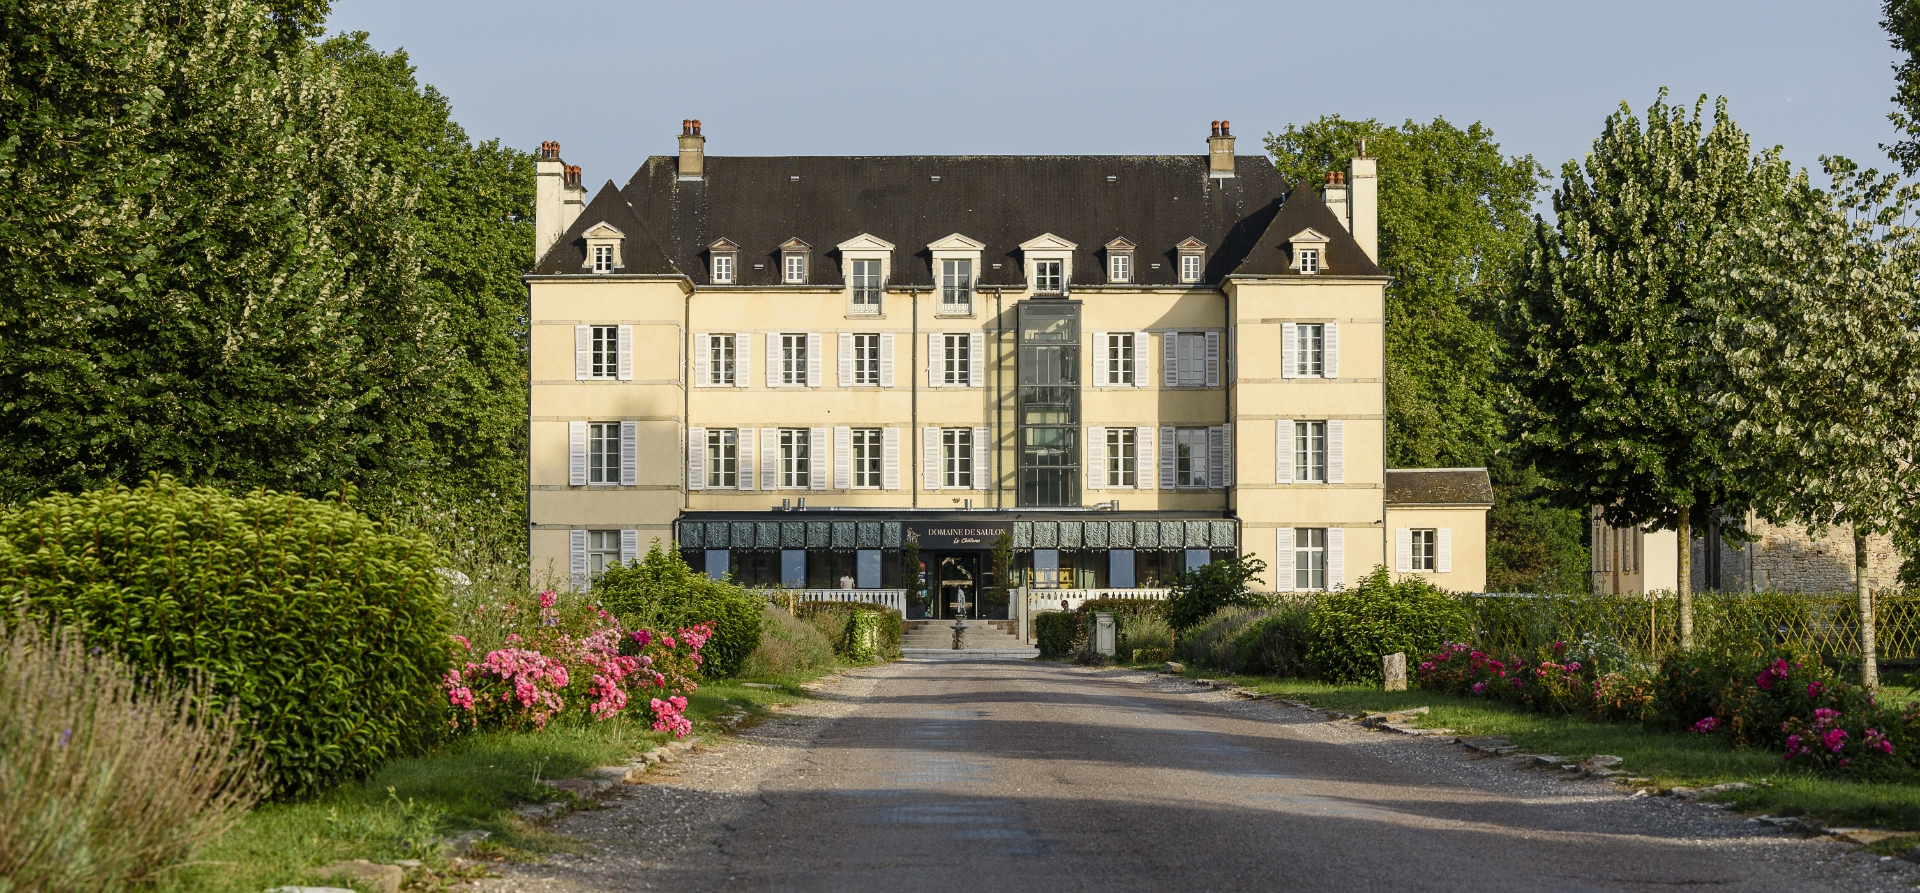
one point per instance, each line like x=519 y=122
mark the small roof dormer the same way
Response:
x=796 y=262
x=723 y=262
x=1308 y=249
x=1049 y=263
x=1120 y=261
x=604 y=242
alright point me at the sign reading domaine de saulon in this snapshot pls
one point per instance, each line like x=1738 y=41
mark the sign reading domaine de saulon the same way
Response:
x=936 y=535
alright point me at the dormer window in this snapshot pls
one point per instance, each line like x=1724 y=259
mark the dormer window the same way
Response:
x=956 y=260
x=1046 y=276
x=1193 y=260
x=1309 y=260
x=866 y=258
x=1119 y=261
x=793 y=262
x=1049 y=264
x=726 y=260
x=603 y=249
x=1309 y=252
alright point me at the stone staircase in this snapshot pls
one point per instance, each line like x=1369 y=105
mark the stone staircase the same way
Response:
x=985 y=638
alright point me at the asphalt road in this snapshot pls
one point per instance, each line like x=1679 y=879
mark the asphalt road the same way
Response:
x=1019 y=775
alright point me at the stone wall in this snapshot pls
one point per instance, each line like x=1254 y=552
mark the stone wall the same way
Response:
x=1785 y=559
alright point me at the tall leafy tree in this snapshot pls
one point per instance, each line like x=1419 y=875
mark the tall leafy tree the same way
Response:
x=1814 y=354
x=1901 y=19
x=1613 y=308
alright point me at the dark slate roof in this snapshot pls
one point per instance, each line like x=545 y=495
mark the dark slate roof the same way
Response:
x=1271 y=255
x=639 y=252
x=1439 y=486
x=1155 y=201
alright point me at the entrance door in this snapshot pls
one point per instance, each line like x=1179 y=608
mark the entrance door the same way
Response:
x=958 y=574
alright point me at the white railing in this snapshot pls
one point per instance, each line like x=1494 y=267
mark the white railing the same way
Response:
x=1040 y=601
x=885 y=598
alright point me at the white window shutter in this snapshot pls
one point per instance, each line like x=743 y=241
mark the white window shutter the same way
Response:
x=582 y=352
x=890 y=459
x=935 y=358
x=742 y=358
x=577 y=557
x=1226 y=455
x=930 y=458
x=629 y=454
x=983 y=458
x=886 y=359
x=1170 y=359
x=846 y=359
x=1336 y=452
x=1141 y=368
x=626 y=353
x=842 y=458
x=576 y=454
x=1216 y=456
x=1283 y=451
x=1443 y=551
x=819 y=458
x=1289 y=349
x=1096 y=458
x=813 y=359
x=1102 y=364
x=769 y=458
x=629 y=545
x=1403 y=550
x=1213 y=359
x=1283 y=546
x=702 y=349
x=976 y=359
x=773 y=359
x=1331 y=350
x=696 y=458
x=1167 y=467
x=1143 y=458
x=743 y=449
x=1336 y=558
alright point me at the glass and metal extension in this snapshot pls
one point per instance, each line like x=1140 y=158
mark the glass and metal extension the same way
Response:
x=1049 y=404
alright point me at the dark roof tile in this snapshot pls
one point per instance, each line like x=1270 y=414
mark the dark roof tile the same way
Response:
x=1439 y=486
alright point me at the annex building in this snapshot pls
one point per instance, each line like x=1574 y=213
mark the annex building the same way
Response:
x=793 y=367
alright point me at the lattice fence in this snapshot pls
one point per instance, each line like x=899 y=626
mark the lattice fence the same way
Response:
x=1827 y=624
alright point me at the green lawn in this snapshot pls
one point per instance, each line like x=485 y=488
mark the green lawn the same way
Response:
x=1668 y=758
x=472 y=783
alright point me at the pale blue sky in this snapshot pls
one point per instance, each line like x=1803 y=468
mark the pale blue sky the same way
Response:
x=611 y=81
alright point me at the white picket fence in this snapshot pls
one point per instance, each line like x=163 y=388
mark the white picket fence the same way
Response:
x=885 y=598
x=1040 y=601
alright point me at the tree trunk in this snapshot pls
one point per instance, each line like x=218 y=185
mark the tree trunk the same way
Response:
x=1684 y=581
x=1869 y=660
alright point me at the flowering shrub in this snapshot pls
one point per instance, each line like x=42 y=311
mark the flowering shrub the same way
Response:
x=1553 y=680
x=556 y=660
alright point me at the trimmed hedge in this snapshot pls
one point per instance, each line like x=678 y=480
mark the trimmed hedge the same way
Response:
x=1058 y=634
x=330 y=634
x=1351 y=629
x=660 y=591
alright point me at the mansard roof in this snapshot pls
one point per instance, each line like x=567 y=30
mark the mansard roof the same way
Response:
x=638 y=250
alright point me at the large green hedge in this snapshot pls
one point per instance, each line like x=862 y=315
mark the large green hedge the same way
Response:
x=1351 y=629
x=662 y=592
x=330 y=633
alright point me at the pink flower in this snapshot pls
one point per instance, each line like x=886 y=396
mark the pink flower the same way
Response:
x=1479 y=688
x=1834 y=739
x=1877 y=740
x=548 y=598
x=1823 y=717
x=1707 y=725
x=643 y=636
x=464 y=644
x=1794 y=748
x=1814 y=689
x=1426 y=666
x=461 y=697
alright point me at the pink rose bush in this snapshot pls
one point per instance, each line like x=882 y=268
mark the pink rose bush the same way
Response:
x=1552 y=680
x=556 y=660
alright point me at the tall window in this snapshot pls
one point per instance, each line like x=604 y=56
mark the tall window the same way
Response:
x=603 y=551
x=1310 y=451
x=796 y=458
x=866 y=286
x=1046 y=276
x=1120 y=267
x=956 y=286
x=723 y=458
x=956 y=362
x=796 y=265
x=1189 y=268
x=720 y=359
x=1310 y=349
x=1426 y=544
x=866 y=359
x=1120 y=348
x=603 y=452
x=606 y=352
x=723 y=269
x=603 y=258
x=1190 y=457
x=1190 y=359
x=1309 y=260
x=956 y=458
x=1121 y=469
x=866 y=457
x=1310 y=558
x=793 y=359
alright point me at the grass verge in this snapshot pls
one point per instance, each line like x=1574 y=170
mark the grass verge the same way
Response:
x=471 y=784
x=1668 y=758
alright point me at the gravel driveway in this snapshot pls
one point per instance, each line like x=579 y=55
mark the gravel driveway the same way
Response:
x=1018 y=775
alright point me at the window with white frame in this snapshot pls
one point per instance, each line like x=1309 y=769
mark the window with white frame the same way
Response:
x=1047 y=276
x=866 y=458
x=956 y=360
x=956 y=286
x=723 y=458
x=1425 y=547
x=720 y=360
x=603 y=258
x=1310 y=451
x=723 y=269
x=956 y=458
x=1309 y=260
x=793 y=359
x=1121 y=451
x=1120 y=348
x=603 y=551
x=1310 y=349
x=1190 y=455
x=1310 y=558
x=866 y=283
x=605 y=344
x=866 y=359
x=1120 y=267
x=603 y=452
x=796 y=458
x=796 y=267
x=1190 y=265
x=1190 y=359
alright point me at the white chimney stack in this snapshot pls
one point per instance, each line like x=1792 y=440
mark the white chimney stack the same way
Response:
x=1363 y=185
x=558 y=198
